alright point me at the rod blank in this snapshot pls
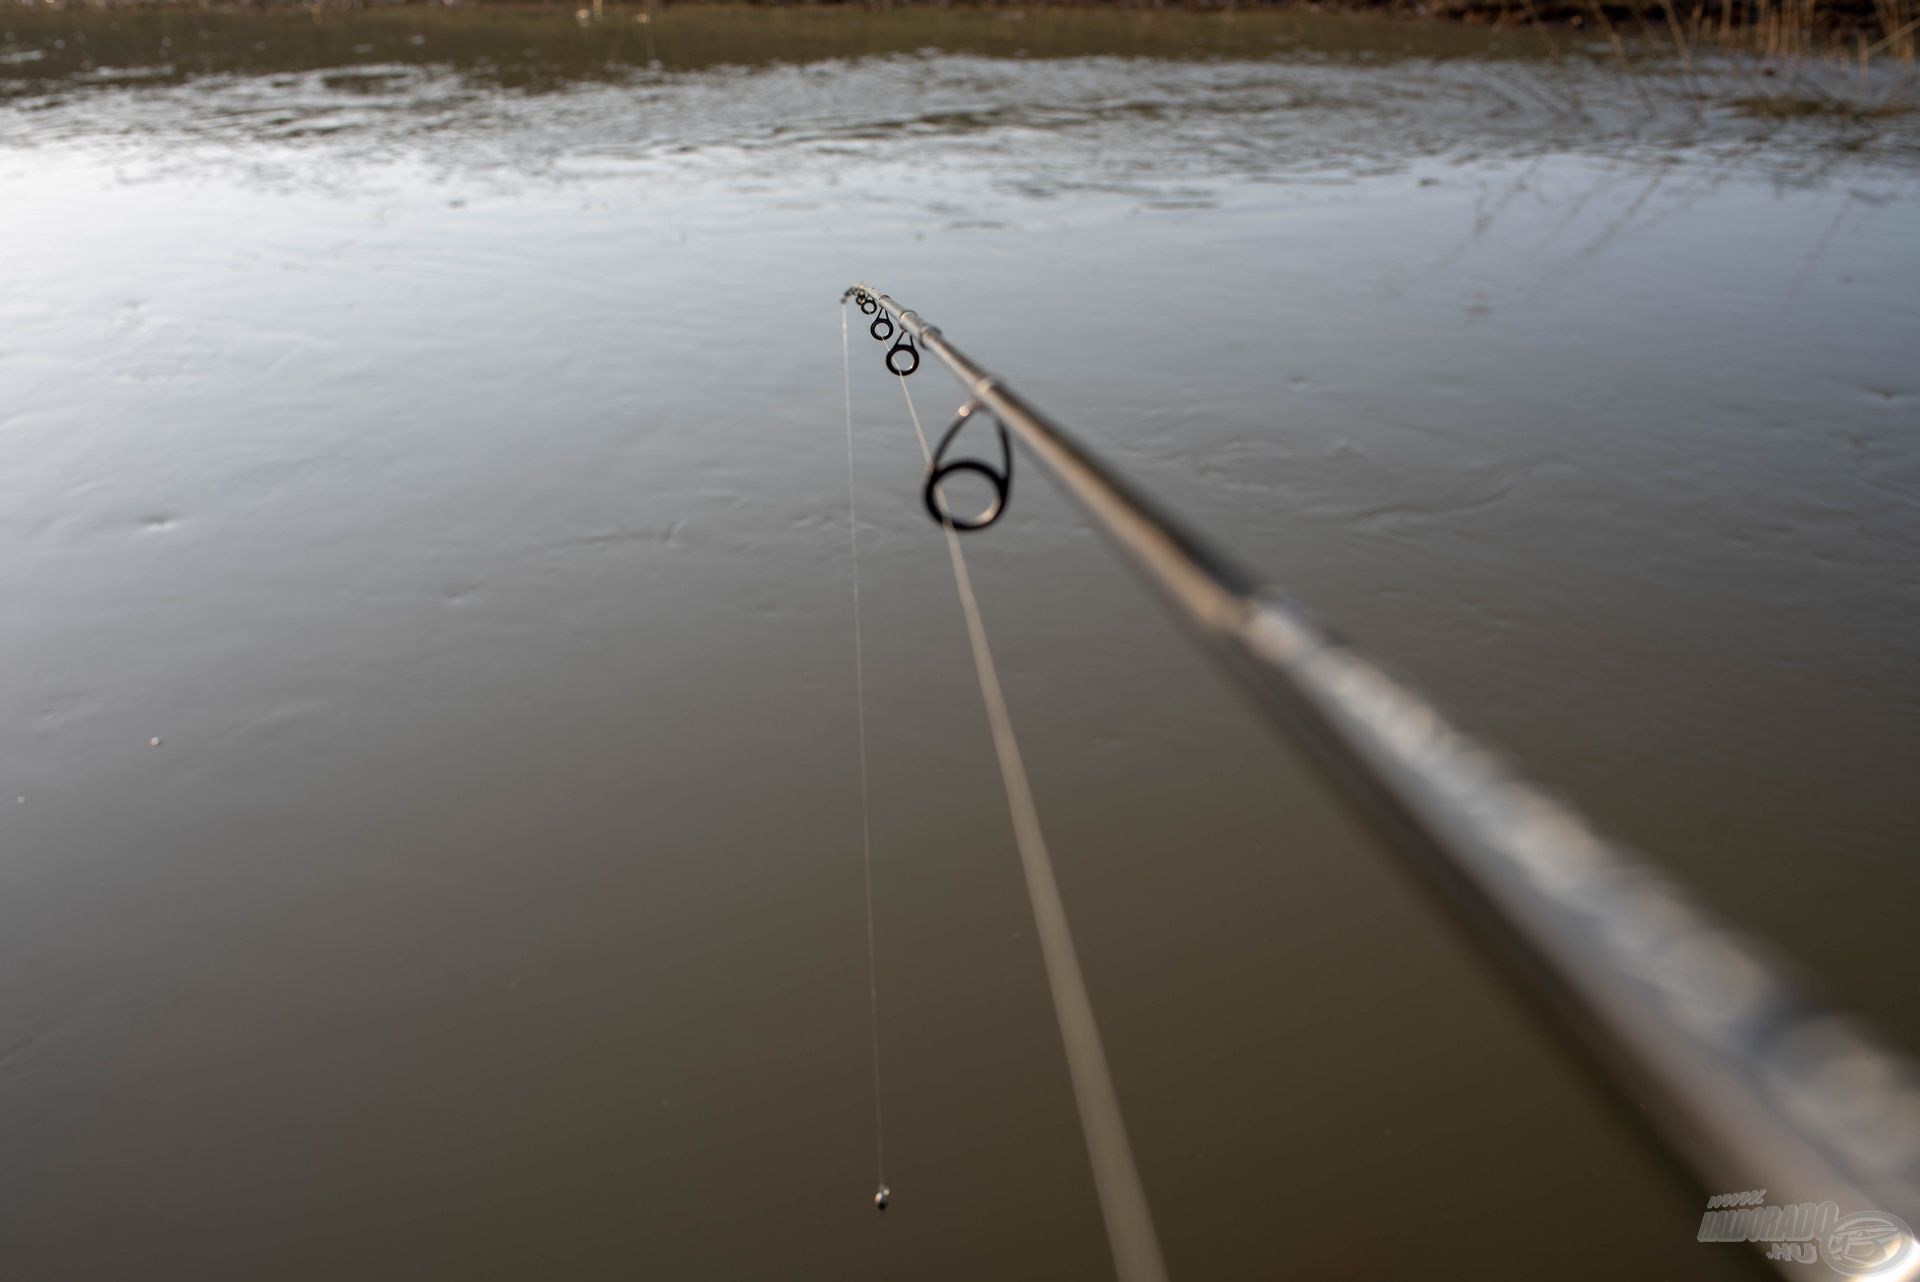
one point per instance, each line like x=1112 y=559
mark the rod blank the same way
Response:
x=1745 y=1075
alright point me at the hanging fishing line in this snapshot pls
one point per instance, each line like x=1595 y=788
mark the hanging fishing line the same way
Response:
x=881 y=1194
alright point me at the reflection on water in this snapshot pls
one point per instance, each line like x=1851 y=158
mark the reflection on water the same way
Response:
x=425 y=425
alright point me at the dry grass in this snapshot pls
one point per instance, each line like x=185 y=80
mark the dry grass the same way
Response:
x=1788 y=30
x=1776 y=30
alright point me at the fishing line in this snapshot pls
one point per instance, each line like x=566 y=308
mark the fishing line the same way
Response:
x=881 y=1193
x=1123 y=1202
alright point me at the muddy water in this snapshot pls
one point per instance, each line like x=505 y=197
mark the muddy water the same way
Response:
x=431 y=822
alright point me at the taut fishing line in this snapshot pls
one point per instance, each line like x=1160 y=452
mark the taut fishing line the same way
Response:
x=1123 y=1201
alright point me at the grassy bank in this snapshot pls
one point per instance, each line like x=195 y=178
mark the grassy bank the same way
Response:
x=1779 y=26
x=1772 y=33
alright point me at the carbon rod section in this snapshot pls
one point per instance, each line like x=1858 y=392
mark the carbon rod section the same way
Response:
x=1750 y=1078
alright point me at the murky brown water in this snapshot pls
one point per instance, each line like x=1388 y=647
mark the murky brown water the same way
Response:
x=426 y=426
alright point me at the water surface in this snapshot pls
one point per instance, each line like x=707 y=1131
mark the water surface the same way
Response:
x=432 y=840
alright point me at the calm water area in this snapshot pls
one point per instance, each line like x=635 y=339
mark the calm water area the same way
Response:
x=429 y=813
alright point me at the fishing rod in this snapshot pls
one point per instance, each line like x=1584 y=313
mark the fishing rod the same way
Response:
x=1746 y=1075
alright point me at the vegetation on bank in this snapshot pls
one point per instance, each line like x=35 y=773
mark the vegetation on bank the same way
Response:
x=1780 y=27
x=1771 y=35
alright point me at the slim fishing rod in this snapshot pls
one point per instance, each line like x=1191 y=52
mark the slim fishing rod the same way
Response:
x=1754 y=1082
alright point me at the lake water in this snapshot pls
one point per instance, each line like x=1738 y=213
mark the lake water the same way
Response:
x=431 y=826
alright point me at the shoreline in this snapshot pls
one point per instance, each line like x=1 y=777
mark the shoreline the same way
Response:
x=1849 y=35
x=1874 y=19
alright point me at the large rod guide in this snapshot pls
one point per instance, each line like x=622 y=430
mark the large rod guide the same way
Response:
x=1752 y=1080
